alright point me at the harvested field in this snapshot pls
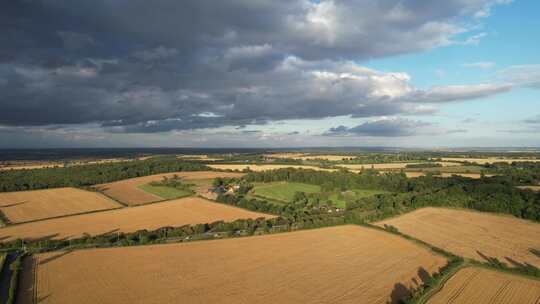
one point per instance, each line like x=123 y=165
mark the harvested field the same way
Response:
x=344 y=264
x=198 y=157
x=389 y=166
x=483 y=286
x=285 y=155
x=304 y=156
x=533 y=188
x=413 y=174
x=128 y=192
x=190 y=210
x=259 y=168
x=473 y=234
x=469 y=175
x=327 y=157
x=25 y=206
x=30 y=166
x=490 y=160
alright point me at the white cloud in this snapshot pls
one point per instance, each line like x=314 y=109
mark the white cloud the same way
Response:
x=522 y=75
x=480 y=65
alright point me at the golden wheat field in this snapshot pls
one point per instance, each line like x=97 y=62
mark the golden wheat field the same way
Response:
x=483 y=286
x=389 y=166
x=473 y=234
x=489 y=160
x=25 y=206
x=533 y=188
x=344 y=264
x=189 y=210
x=197 y=157
x=127 y=191
x=285 y=155
x=258 y=168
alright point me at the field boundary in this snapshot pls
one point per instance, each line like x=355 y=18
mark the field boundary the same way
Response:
x=63 y=216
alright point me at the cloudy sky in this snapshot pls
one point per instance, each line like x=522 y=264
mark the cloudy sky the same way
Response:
x=276 y=73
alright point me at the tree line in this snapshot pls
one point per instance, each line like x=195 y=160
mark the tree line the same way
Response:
x=490 y=194
x=80 y=176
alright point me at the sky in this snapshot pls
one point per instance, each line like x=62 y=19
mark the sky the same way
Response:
x=276 y=73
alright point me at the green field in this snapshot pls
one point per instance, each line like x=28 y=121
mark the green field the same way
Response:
x=165 y=192
x=283 y=191
x=340 y=199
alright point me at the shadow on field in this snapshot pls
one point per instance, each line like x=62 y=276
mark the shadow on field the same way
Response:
x=108 y=233
x=5 y=237
x=523 y=266
x=399 y=293
x=491 y=260
x=14 y=204
x=424 y=275
x=536 y=252
x=42 y=298
x=54 y=257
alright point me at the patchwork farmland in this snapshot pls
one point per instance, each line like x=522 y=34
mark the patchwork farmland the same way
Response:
x=26 y=206
x=190 y=210
x=344 y=264
x=475 y=235
x=258 y=168
x=483 y=286
x=490 y=160
x=129 y=192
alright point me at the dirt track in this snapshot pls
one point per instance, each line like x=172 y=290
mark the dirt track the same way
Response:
x=127 y=191
x=190 y=210
x=24 y=206
x=482 y=286
x=473 y=234
x=345 y=264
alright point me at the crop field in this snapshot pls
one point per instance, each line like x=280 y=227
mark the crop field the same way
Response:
x=450 y=169
x=165 y=192
x=198 y=157
x=327 y=157
x=469 y=175
x=128 y=192
x=189 y=210
x=283 y=191
x=475 y=235
x=304 y=156
x=344 y=264
x=483 y=286
x=285 y=155
x=490 y=160
x=389 y=166
x=258 y=168
x=533 y=188
x=25 y=206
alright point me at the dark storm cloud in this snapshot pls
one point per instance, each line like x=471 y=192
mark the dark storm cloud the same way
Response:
x=140 y=66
